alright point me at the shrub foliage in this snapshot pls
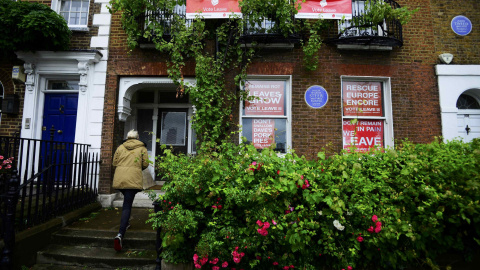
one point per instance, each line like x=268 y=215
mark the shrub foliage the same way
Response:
x=244 y=209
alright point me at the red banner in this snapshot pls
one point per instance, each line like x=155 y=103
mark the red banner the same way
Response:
x=325 y=9
x=212 y=9
x=363 y=135
x=362 y=99
x=269 y=98
x=263 y=132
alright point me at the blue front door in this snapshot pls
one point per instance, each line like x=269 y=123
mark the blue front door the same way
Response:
x=60 y=117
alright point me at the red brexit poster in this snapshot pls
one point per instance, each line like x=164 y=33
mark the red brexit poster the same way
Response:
x=325 y=9
x=364 y=134
x=263 y=132
x=362 y=99
x=212 y=9
x=269 y=98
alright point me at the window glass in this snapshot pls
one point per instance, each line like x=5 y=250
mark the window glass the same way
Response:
x=143 y=96
x=173 y=128
x=75 y=12
x=62 y=85
x=467 y=102
x=364 y=115
x=145 y=126
x=265 y=114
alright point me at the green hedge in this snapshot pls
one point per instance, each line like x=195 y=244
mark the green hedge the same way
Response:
x=239 y=208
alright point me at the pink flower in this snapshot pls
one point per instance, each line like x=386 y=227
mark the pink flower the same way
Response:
x=242 y=254
x=370 y=230
x=275 y=263
x=215 y=268
x=214 y=261
x=224 y=264
x=360 y=239
x=301 y=177
x=203 y=260
x=198 y=266
x=262 y=231
x=219 y=207
x=259 y=223
x=195 y=257
x=254 y=163
x=291 y=266
x=303 y=186
x=214 y=206
x=278 y=172
x=266 y=225
x=273 y=222
x=349 y=268
x=374 y=218
x=286 y=267
x=236 y=260
x=378 y=224
x=378 y=229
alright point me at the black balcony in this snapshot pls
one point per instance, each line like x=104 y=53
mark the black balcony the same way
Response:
x=359 y=32
x=266 y=31
x=161 y=18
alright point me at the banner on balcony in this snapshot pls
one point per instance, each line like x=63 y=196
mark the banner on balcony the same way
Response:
x=269 y=98
x=263 y=132
x=362 y=135
x=212 y=9
x=325 y=9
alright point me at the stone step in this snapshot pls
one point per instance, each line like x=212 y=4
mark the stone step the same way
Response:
x=73 y=267
x=98 y=238
x=100 y=257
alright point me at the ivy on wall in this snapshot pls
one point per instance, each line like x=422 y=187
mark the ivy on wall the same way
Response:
x=213 y=102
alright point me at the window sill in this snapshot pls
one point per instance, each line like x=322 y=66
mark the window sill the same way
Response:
x=79 y=28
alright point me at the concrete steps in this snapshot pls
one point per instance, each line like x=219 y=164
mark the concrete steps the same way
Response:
x=88 y=244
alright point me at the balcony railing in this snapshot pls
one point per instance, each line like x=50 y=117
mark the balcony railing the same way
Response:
x=42 y=180
x=164 y=18
x=358 y=31
x=266 y=31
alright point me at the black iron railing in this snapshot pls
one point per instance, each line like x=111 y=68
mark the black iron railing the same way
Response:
x=162 y=18
x=46 y=179
x=359 y=31
x=267 y=30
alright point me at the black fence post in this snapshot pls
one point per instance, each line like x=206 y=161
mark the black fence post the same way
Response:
x=158 y=242
x=9 y=223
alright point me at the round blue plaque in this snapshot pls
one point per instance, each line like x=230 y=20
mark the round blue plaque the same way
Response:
x=461 y=25
x=316 y=96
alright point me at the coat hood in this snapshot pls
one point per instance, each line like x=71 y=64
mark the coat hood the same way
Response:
x=133 y=144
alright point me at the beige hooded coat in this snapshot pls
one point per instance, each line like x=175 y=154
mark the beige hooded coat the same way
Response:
x=130 y=159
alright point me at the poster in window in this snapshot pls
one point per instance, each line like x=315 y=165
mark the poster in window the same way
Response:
x=268 y=98
x=325 y=9
x=362 y=99
x=363 y=135
x=212 y=9
x=263 y=132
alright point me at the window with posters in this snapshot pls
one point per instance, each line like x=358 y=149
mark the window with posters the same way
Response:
x=367 y=114
x=265 y=115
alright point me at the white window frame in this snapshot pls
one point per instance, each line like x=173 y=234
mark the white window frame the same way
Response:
x=56 y=6
x=388 y=138
x=288 y=106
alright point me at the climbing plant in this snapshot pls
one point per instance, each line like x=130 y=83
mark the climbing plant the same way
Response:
x=213 y=97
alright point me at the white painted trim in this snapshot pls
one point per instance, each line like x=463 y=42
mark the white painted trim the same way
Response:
x=389 y=139
x=453 y=80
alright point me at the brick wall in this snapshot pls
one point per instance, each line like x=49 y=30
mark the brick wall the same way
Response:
x=465 y=49
x=415 y=104
x=10 y=123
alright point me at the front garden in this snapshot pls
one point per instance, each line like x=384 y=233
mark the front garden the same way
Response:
x=238 y=208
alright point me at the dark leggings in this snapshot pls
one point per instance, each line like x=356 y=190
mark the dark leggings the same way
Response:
x=128 y=196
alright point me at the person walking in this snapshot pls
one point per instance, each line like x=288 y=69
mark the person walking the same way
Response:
x=130 y=159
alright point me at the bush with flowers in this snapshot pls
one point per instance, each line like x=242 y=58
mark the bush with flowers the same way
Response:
x=238 y=208
x=5 y=164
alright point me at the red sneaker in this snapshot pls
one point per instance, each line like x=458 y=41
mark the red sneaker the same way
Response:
x=117 y=242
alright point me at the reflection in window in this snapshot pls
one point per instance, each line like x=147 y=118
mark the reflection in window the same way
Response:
x=62 y=85
x=173 y=130
x=75 y=12
x=467 y=102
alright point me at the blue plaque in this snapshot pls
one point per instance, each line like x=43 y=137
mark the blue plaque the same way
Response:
x=316 y=96
x=461 y=25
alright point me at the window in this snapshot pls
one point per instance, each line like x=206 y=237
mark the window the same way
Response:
x=367 y=114
x=75 y=12
x=467 y=102
x=265 y=116
x=62 y=85
x=165 y=18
